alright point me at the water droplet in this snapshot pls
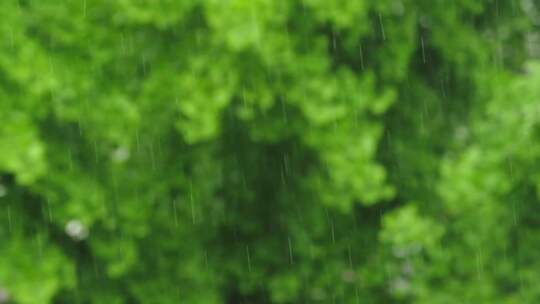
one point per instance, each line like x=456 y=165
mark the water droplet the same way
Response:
x=120 y=155
x=3 y=192
x=76 y=230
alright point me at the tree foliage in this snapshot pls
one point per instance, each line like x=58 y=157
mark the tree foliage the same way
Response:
x=269 y=151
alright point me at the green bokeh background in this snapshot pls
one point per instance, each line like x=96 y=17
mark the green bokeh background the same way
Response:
x=269 y=151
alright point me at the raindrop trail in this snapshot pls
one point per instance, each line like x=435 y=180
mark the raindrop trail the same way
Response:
x=95 y=267
x=423 y=50
x=9 y=217
x=95 y=152
x=191 y=202
x=333 y=231
x=361 y=58
x=39 y=245
x=290 y=251
x=138 y=140
x=152 y=157
x=50 y=210
x=382 y=27
x=350 y=256
x=70 y=160
x=248 y=258
x=175 y=214
x=11 y=38
x=334 y=41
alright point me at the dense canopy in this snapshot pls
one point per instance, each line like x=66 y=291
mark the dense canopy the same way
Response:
x=269 y=151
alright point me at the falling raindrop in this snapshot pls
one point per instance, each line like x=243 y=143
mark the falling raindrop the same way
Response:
x=334 y=41
x=9 y=217
x=248 y=258
x=175 y=214
x=423 y=50
x=382 y=27
x=361 y=57
x=290 y=251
